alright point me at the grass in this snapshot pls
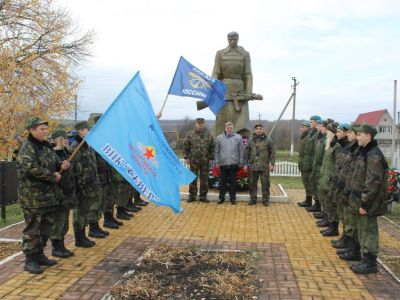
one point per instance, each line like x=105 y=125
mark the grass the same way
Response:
x=13 y=215
x=394 y=215
x=284 y=155
x=288 y=182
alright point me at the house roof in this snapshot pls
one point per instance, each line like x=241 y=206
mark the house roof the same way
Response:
x=372 y=117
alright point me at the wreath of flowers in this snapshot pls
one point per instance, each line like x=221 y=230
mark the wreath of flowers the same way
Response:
x=242 y=178
x=393 y=188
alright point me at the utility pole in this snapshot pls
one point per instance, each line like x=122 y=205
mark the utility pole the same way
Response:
x=76 y=109
x=295 y=84
x=394 y=157
x=259 y=117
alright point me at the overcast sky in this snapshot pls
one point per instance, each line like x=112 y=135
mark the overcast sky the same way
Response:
x=345 y=54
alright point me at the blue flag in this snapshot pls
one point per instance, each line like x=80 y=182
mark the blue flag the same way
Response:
x=191 y=82
x=130 y=139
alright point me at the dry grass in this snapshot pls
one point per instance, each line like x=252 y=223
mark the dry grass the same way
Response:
x=393 y=262
x=7 y=249
x=189 y=273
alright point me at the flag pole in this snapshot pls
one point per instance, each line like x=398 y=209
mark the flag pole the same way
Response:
x=162 y=108
x=165 y=101
x=76 y=150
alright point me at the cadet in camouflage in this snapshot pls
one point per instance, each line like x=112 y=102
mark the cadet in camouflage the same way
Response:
x=38 y=169
x=259 y=158
x=88 y=187
x=367 y=196
x=198 y=151
x=67 y=200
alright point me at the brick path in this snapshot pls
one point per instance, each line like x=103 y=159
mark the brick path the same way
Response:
x=298 y=262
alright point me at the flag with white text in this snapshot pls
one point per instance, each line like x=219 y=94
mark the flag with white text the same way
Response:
x=189 y=81
x=128 y=136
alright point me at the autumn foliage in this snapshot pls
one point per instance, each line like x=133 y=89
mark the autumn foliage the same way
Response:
x=39 y=53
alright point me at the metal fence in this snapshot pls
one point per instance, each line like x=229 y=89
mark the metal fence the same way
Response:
x=8 y=185
x=282 y=168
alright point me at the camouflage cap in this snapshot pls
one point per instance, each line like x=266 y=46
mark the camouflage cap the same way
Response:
x=258 y=125
x=96 y=118
x=354 y=127
x=82 y=125
x=344 y=126
x=315 y=118
x=59 y=132
x=200 y=120
x=34 y=121
x=305 y=124
x=368 y=128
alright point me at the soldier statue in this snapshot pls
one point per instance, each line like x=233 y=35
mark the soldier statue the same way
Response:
x=232 y=66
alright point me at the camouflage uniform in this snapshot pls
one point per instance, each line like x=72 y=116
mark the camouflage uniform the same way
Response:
x=324 y=183
x=67 y=200
x=107 y=201
x=88 y=187
x=337 y=202
x=198 y=148
x=368 y=189
x=38 y=193
x=319 y=153
x=259 y=154
x=120 y=189
x=306 y=160
x=342 y=189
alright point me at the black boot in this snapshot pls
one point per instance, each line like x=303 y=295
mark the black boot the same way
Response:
x=130 y=208
x=367 y=266
x=342 y=251
x=319 y=215
x=323 y=223
x=86 y=238
x=333 y=230
x=105 y=232
x=306 y=203
x=81 y=240
x=122 y=214
x=108 y=221
x=139 y=201
x=71 y=253
x=340 y=243
x=57 y=250
x=31 y=265
x=94 y=231
x=315 y=208
x=119 y=223
x=43 y=260
x=354 y=251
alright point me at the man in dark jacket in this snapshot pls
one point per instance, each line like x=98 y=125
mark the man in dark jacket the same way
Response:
x=260 y=159
x=38 y=174
x=367 y=196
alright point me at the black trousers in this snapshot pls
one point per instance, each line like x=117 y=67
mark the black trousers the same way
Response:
x=228 y=177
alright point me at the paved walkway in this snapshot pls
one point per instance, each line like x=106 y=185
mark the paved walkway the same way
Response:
x=299 y=263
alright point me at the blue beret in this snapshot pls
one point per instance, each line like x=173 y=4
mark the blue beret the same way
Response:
x=305 y=124
x=320 y=122
x=315 y=118
x=344 y=126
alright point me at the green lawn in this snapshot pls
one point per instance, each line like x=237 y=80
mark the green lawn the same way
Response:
x=288 y=182
x=13 y=215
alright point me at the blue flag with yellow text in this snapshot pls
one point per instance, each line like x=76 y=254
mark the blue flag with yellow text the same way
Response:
x=128 y=136
x=191 y=82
